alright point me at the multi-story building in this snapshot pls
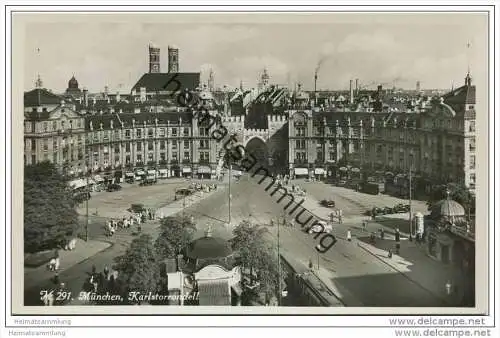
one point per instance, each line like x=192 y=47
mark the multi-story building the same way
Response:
x=434 y=139
x=53 y=131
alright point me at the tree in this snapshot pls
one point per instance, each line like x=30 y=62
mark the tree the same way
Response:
x=50 y=218
x=176 y=232
x=139 y=269
x=258 y=259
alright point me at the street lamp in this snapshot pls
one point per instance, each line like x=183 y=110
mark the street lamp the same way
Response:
x=318 y=247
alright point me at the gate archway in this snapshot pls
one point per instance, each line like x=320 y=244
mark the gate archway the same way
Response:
x=258 y=149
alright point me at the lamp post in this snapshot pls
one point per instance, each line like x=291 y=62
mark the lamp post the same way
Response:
x=410 y=217
x=317 y=253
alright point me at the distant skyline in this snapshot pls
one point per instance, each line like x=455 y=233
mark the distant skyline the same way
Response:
x=394 y=49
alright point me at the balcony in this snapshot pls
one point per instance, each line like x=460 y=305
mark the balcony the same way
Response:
x=300 y=161
x=186 y=161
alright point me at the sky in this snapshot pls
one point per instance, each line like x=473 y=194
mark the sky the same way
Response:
x=393 y=49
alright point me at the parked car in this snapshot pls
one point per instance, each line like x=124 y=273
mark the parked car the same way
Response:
x=129 y=177
x=137 y=208
x=182 y=192
x=113 y=187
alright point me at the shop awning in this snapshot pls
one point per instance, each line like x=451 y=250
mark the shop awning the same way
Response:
x=388 y=173
x=186 y=170
x=355 y=170
x=343 y=169
x=163 y=171
x=79 y=183
x=319 y=171
x=204 y=170
x=301 y=171
x=400 y=176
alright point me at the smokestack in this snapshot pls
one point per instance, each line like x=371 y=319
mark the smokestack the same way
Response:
x=85 y=97
x=315 y=88
x=351 y=93
x=357 y=87
x=418 y=86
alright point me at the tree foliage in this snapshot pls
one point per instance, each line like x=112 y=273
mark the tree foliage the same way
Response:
x=458 y=193
x=257 y=257
x=50 y=218
x=176 y=232
x=139 y=269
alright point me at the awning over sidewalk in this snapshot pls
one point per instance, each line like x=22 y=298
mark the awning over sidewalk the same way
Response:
x=204 y=170
x=301 y=171
x=343 y=169
x=186 y=170
x=319 y=171
x=355 y=170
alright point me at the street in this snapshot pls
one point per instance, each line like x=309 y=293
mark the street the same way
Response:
x=359 y=277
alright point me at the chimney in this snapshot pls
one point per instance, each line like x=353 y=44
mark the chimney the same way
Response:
x=351 y=93
x=85 y=97
x=418 y=86
x=357 y=86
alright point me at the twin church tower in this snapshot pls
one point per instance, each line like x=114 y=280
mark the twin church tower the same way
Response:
x=154 y=59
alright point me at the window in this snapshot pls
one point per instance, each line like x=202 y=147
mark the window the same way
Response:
x=203 y=144
x=117 y=149
x=472 y=178
x=162 y=132
x=186 y=155
x=127 y=147
x=472 y=144
x=162 y=157
x=139 y=146
x=127 y=133
x=162 y=145
x=54 y=125
x=138 y=133
x=139 y=158
x=472 y=126
x=186 y=132
x=54 y=144
x=150 y=145
x=174 y=144
x=150 y=133
x=117 y=134
x=63 y=125
x=127 y=159
x=301 y=131
x=45 y=126
x=319 y=156
x=70 y=124
x=472 y=161
x=33 y=145
x=33 y=159
x=204 y=157
x=332 y=156
x=174 y=132
x=300 y=144
x=186 y=144
x=204 y=131
x=174 y=157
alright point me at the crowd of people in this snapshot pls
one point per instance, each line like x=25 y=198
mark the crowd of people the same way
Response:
x=137 y=218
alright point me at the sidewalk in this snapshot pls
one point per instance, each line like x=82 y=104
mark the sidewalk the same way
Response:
x=82 y=251
x=415 y=265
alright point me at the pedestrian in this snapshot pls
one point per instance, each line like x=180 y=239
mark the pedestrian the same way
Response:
x=382 y=233
x=389 y=253
x=349 y=235
x=448 y=287
x=364 y=225
x=106 y=272
x=397 y=235
x=57 y=263
x=56 y=278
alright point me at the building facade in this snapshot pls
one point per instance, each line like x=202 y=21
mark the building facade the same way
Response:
x=53 y=131
x=434 y=140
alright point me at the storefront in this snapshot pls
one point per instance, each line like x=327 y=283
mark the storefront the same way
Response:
x=301 y=172
x=204 y=172
x=319 y=173
x=175 y=171
x=187 y=172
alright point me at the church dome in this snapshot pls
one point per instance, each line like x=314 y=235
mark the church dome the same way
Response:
x=448 y=208
x=208 y=247
x=73 y=83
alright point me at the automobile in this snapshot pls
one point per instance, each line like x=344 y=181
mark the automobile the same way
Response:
x=113 y=187
x=342 y=183
x=129 y=177
x=327 y=203
x=137 y=208
x=321 y=227
x=148 y=180
x=387 y=210
x=182 y=192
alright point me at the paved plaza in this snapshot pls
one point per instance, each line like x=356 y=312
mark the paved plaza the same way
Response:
x=355 y=275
